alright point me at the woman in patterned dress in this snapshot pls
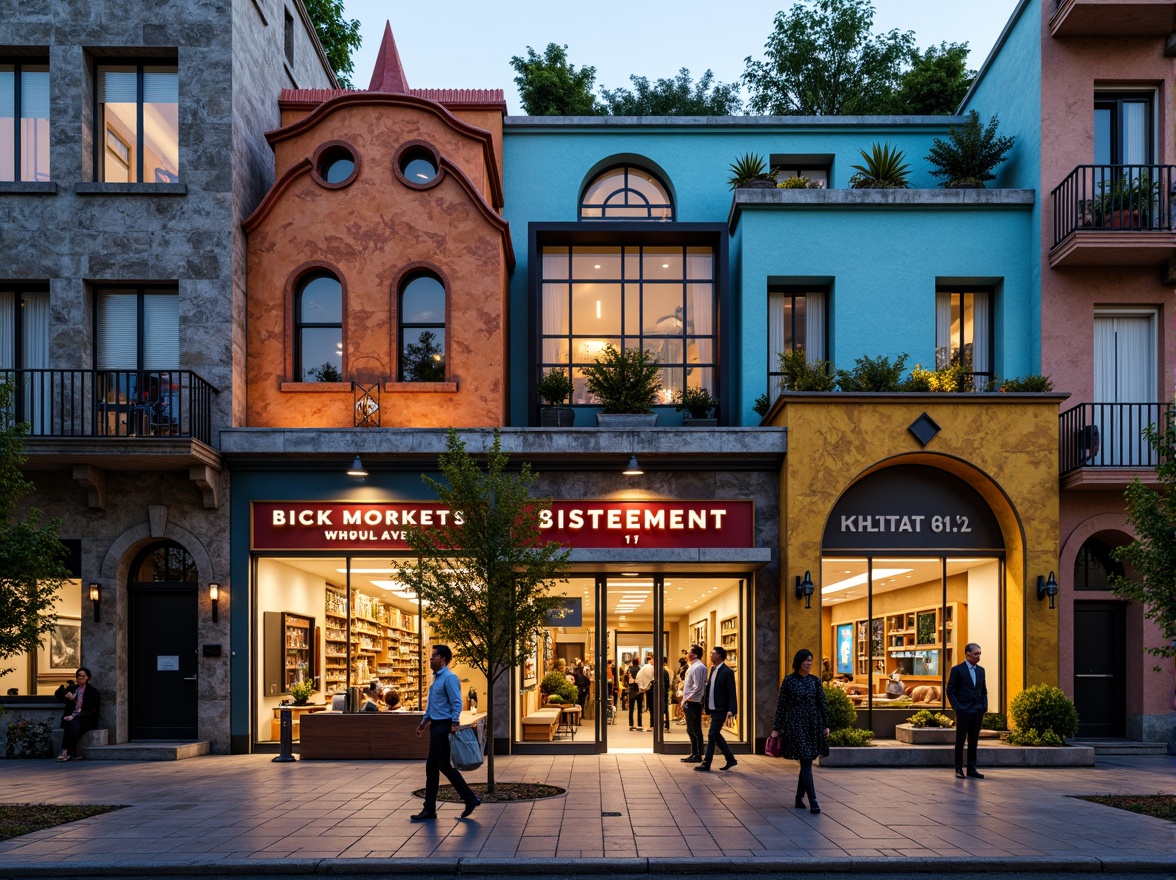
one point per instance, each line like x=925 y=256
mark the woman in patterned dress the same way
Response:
x=804 y=719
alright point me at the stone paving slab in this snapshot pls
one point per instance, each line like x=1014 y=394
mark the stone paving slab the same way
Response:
x=244 y=815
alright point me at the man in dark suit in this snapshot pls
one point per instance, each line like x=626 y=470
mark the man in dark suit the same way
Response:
x=720 y=700
x=968 y=694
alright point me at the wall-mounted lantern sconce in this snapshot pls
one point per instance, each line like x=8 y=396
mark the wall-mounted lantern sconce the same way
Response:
x=1047 y=588
x=96 y=598
x=214 y=597
x=804 y=589
x=357 y=469
x=633 y=469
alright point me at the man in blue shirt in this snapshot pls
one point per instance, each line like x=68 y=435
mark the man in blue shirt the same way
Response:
x=443 y=716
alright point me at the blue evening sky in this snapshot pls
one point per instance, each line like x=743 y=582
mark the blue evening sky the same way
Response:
x=469 y=43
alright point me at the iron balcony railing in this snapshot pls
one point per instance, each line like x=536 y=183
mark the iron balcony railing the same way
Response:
x=112 y=403
x=1115 y=198
x=1110 y=434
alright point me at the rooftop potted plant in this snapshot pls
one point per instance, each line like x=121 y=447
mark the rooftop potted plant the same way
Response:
x=966 y=159
x=883 y=169
x=554 y=389
x=750 y=170
x=698 y=404
x=626 y=382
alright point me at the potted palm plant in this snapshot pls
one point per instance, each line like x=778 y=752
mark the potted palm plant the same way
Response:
x=554 y=390
x=883 y=169
x=750 y=170
x=626 y=382
x=698 y=404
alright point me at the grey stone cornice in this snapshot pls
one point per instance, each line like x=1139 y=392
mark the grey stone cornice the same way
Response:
x=29 y=188
x=131 y=189
x=539 y=123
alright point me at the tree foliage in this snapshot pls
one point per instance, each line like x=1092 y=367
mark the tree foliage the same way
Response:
x=486 y=575
x=32 y=570
x=1152 y=555
x=550 y=86
x=822 y=59
x=971 y=152
x=936 y=82
x=679 y=96
x=339 y=36
x=424 y=360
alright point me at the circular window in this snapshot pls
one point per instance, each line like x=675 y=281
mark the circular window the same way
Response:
x=418 y=164
x=336 y=165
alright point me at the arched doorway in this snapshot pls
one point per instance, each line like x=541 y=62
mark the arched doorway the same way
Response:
x=161 y=616
x=1100 y=639
x=912 y=570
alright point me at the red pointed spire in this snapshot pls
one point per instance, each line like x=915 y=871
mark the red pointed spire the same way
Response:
x=388 y=75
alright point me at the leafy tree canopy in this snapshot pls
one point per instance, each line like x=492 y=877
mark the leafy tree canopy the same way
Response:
x=489 y=578
x=680 y=96
x=550 y=86
x=936 y=82
x=31 y=558
x=1152 y=555
x=339 y=36
x=822 y=59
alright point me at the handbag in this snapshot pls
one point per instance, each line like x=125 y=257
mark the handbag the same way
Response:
x=774 y=746
x=464 y=749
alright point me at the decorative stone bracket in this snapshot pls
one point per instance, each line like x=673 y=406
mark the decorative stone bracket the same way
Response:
x=205 y=478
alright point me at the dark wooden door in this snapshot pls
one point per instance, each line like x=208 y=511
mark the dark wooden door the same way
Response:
x=1100 y=680
x=163 y=692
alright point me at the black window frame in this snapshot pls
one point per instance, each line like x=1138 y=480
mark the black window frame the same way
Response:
x=1095 y=550
x=990 y=373
x=99 y=128
x=403 y=325
x=794 y=291
x=1114 y=101
x=18 y=289
x=650 y=207
x=300 y=325
x=17 y=63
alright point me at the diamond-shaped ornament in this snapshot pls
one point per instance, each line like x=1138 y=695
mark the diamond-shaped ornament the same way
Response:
x=924 y=428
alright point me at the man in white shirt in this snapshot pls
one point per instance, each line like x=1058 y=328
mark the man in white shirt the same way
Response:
x=644 y=683
x=693 y=687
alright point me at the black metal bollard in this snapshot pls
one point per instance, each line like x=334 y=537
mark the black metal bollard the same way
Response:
x=287 y=736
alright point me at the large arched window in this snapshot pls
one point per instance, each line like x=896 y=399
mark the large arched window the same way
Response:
x=422 y=329
x=163 y=563
x=626 y=193
x=318 y=330
x=1094 y=567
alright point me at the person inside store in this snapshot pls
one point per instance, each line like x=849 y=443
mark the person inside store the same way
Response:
x=645 y=691
x=693 y=692
x=610 y=680
x=442 y=717
x=826 y=670
x=633 y=690
x=392 y=699
x=82 y=702
x=371 y=698
x=967 y=691
x=667 y=694
x=802 y=717
x=679 y=677
x=894 y=686
x=722 y=705
x=581 y=681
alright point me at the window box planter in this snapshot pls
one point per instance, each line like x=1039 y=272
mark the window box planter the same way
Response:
x=924 y=736
x=699 y=423
x=626 y=420
x=557 y=417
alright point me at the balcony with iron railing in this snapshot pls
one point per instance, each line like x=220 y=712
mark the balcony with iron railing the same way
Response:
x=1114 y=215
x=92 y=421
x=1112 y=18
x=1103 y=445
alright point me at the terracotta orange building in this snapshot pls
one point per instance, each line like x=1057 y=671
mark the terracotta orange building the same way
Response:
x=378 y=261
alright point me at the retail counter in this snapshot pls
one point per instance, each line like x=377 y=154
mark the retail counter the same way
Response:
x=389 y=736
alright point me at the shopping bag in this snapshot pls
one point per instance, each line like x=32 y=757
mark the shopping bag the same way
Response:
x=773 y=746
x=464 y=749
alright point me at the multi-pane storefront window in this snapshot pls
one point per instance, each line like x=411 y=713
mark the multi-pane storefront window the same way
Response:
x=657 y=298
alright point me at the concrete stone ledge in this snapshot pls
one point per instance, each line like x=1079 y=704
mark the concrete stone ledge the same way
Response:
x=994 y=755
x=395 y=867
x=545 y=865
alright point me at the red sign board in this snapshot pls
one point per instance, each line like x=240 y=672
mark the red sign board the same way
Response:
x=379 y=527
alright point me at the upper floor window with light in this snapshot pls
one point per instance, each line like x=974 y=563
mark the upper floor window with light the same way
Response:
x=422 y=330
x=138 y=113
x=796 y=319
x=24 y=121
x=963 y=333
x=626 y=193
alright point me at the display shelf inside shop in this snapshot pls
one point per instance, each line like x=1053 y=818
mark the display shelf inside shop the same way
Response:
x=384 y=644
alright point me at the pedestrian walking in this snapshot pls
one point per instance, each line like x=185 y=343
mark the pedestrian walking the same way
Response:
x=693 y=693
x=722 y=705
x=802 y=718
x=443 y=717
x=967 y=691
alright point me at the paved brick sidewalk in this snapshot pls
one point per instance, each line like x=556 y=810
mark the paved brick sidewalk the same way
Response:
x=222 y=811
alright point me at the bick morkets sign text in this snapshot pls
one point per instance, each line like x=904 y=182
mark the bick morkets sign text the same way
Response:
x=361 y=527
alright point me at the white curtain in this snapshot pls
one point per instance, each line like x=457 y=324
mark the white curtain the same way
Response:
x=775 y=338
x=943 y=340
x=981 y=338
x=1135 y=133
x=35 y=342
x=161 y=332
x=814 y=326
x=7 y=330
x=1124 y=373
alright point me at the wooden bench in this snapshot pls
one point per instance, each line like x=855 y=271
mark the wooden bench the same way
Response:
x=541 y=724
x=371 y=735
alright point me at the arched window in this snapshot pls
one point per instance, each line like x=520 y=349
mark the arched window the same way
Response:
x=422 y=329
x=164 y=563
x=1093 y=566
x=626 y=193
x=318 y=329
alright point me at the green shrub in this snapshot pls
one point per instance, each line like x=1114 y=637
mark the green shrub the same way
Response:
x=555 y=700
x=555 y=387
x=557 y=684
x=1044 y=707
x=850 y=736
x=1027 y=383
x=873 y=374
x=625 y=381
x=763 y=403
x=29 y=739
x=800 y=375
x=300 y=691
x=926 y=718
x=994 y=721
x=1049 y=738
x=842 y=711
x=801 y=182
x=970 y=154
x=697 y=403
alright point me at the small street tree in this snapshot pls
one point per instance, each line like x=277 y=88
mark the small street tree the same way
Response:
x=486 y=576
x=1152 y=555
x=32 y=567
